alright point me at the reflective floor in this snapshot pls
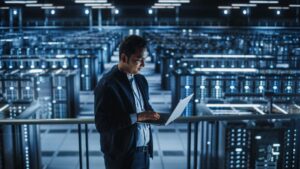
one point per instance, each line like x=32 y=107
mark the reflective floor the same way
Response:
x=59 y=143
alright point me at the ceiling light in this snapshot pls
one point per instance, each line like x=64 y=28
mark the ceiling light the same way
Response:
x=38 y=5
x=278 y=12
x=86 y=11
x=20 y=2
x=15 y=12
x=167 y=4
x=174 y=1
x=264 y=2
x=52 y=12
x=225 y=11
x=53 y=7
x=150 y=11
x=90 y=1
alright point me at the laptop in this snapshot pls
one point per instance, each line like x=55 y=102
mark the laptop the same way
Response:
x=167 y=118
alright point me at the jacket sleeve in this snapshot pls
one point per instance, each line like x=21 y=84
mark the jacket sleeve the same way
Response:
x=108 y=112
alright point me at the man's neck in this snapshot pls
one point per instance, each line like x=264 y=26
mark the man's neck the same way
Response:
x=122 y=68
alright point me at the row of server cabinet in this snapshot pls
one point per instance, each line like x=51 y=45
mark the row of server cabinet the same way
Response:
x=270 y=144
x=86 y=51
x=226 y=68
x=41 y=76
x=247 y=144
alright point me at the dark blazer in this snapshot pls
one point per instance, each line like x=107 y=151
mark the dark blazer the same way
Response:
x=114 y=103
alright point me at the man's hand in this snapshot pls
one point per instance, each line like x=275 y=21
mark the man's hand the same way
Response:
x=147 y=115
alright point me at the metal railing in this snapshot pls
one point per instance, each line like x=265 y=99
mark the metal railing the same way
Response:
x=193 y=120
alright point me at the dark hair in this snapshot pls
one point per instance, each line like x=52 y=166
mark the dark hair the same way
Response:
x=131 y=44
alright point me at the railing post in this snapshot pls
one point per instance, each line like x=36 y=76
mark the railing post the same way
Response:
x=87 y=147
x=189 y=145
x=79 y=144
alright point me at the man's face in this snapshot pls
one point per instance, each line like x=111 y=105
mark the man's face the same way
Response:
x=136 y=62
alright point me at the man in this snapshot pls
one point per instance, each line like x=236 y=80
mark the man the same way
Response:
x=121 y=101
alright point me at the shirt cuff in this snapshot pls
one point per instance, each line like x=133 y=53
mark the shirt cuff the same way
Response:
x=133 y=118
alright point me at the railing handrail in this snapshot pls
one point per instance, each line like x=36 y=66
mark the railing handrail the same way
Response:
x=192 y=119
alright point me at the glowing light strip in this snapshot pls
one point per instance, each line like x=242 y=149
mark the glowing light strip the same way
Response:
x=264 y=2
x=104 y=4
x=234 y=105
x=225 y=70
x=228 y=7
x=258 y=110
x=278 y=7
x=280 y=109
x=103 y=7
x=174 y=1
x=297 y=106
x=295 y=5
x=4 y=7
x=4 y=107
x=163 y=7
x=244 y=5
x=90 y=1
x=53 y=7
x=38 y=5
x=225 y=56
x=20 y=2
x=166 y=4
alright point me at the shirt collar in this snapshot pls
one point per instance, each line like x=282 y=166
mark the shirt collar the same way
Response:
x=130 y=76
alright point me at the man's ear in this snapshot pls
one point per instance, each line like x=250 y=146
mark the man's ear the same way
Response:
x=123 y=58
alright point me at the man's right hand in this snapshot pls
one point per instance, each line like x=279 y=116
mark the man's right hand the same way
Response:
x=147 y=115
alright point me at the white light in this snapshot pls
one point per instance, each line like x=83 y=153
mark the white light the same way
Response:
x=163 y=7
x=27 y=88
x=226 y=56
x=20 y=2
x=100 y=5
x=150 y=11
x=166 y=4
x=53 y=7
x=59 y=87
x=38 y=5
x=174 y=1
x=90 y=1
x=86 y=11
x=278 y=12
x=264 y=2
x=52 y=12
x=187 y=87
x=238 y=149
x=295 y=5
x=116 y=11
x=245 y=12
x=233 y=105
x=244 y=5
x=257 y=137
x=225 y=70
x=15 y=12
x=225 y=12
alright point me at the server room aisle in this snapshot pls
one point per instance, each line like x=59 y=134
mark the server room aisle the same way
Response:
x=59 y=143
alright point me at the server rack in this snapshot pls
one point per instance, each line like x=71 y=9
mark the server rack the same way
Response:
x=57 y=90
x=20 y=144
